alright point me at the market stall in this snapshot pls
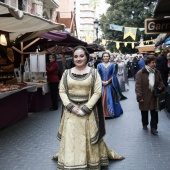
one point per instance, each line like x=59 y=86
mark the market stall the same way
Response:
x=13 y=103
x=38 y=97
x=161 y=12
x=13 y=97
x=36 y=48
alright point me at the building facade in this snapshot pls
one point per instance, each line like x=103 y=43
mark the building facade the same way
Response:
x=65 y=14
x=86 y=12
x=85 y=15
x=43 y=8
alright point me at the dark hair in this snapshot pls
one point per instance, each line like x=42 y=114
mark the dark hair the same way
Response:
x=105 y=53
x=149 y=59
x=53 y=56
x=85 y=51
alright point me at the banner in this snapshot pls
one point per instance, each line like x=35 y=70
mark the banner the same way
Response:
x=117 y=44
x=104 y=41
x=141 y=29
x=88 y=39
x=130 y=31
x=116 y=27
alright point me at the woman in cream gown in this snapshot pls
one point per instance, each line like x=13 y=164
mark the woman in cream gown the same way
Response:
x=82 y=126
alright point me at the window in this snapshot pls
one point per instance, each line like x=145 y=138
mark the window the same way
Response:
x=22 y=5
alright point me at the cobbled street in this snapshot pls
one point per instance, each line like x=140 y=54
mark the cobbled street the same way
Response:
x=31 y=143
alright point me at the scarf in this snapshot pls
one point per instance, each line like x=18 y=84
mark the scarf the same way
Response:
x=151 y=77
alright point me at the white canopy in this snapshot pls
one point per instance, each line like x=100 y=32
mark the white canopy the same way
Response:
x=18 y=22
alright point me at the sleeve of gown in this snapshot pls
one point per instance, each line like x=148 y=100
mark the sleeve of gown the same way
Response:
x=138 y=87
x=87 y=108
x=63 y=94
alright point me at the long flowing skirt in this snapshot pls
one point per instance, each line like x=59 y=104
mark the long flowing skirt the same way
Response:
x=110 y=101
x=76 y=150
x=121 y=82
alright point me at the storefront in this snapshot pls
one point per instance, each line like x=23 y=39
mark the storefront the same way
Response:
x=162 y=11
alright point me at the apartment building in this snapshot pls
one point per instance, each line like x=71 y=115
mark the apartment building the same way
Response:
x=86 y=11
x=85 y=15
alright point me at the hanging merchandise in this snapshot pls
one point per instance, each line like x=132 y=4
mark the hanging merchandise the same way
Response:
x=167 y=41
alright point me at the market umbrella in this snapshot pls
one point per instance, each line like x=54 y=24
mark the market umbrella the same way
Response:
x=94 y=48
x=50 y=39
x=58 y=50
x=63 y=38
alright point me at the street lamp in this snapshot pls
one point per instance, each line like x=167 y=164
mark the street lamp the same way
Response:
x=96 y=26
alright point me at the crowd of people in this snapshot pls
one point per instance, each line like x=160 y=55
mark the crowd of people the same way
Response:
x=91 y=91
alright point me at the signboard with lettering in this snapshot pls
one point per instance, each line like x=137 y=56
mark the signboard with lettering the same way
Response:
x=157 y=25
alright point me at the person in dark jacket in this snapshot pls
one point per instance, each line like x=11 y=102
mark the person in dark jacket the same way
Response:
x=146 y=79
x=135 y=66
x=97 y=62
x=141 y=63
x=161 y=65
x=53 y=79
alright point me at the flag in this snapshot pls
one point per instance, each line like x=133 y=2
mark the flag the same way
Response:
x=130 y=31
x=116 y=27
x=117 y=44
x=141 y=29
x=125 y=44
x=103 y=42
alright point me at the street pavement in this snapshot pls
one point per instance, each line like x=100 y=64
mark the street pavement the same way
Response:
x=31 y=143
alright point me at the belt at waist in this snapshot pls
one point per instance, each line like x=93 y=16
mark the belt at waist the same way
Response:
x=79 y=102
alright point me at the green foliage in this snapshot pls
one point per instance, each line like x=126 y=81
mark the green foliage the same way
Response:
x=128 y=13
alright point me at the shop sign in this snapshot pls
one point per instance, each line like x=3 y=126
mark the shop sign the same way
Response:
x=157 y=25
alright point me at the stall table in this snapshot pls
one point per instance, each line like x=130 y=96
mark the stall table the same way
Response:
x=39 y=98
x=13 y=106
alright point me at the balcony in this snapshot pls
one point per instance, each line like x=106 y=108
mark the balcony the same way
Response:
x=51 y=4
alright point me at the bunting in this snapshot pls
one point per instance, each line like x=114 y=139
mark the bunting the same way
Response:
x=141 y=29
x=130 y=31
x=88 y=39
x=117 y=44
x=116 y=27
x=125 y=43
x=104 y=42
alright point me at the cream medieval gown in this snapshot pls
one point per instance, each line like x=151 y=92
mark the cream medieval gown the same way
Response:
x=80 y=147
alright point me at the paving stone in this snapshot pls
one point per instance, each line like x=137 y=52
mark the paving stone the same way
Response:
x=31 y=143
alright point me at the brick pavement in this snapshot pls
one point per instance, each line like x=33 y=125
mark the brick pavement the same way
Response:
x=30 y=143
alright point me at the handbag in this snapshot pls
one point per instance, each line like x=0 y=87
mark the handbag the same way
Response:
x=156 y=91
x=160 y=101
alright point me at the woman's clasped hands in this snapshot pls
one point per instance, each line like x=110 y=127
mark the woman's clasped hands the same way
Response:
x=105 y=83
x=77 y=111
